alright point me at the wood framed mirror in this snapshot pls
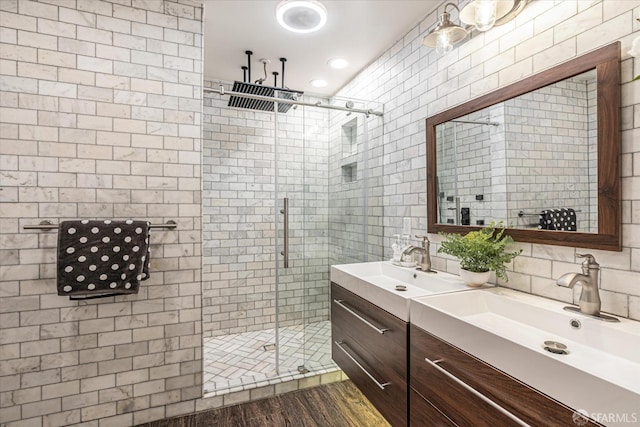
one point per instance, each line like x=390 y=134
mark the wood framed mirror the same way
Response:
x=546 y=146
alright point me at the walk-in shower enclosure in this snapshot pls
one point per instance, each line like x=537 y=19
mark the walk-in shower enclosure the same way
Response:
x=264 y=322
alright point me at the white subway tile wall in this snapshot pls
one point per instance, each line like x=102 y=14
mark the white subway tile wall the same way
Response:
x=88 y=130
x=415 y=82
x=355 y=184
x=101 y=114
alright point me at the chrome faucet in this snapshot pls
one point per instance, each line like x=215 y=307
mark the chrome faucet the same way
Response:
x=589 y=279
x=424 y=262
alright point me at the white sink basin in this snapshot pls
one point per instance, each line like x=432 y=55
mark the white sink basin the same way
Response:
x=377 y=281
x=507 y=329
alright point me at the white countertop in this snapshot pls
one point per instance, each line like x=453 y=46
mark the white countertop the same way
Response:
x=507 y=329
x=376 y=282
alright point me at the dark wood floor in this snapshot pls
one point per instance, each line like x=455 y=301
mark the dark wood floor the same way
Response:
x=332 y=405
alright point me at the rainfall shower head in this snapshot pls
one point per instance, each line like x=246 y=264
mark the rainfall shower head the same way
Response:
x=258 y=104
x=258 y=88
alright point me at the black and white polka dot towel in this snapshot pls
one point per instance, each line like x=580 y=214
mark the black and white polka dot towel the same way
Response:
x=558 y=219
x=102 y=258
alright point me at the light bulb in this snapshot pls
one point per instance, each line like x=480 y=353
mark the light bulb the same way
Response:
x=485 y=14
x=635 y=48
x=443 y=43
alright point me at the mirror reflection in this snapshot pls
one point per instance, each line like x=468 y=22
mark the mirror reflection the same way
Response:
x=530 y=161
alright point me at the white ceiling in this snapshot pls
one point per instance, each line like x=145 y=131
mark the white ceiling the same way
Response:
x=356 y=30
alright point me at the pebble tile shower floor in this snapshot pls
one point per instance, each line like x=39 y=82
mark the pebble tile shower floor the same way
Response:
x=240 y=361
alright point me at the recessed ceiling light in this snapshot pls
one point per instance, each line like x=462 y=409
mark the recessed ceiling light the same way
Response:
x=301 y=16
x=338 y=63
x=318 y=83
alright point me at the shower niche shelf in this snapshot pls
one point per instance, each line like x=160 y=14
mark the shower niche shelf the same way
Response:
x=350 y=138
x=349 y=173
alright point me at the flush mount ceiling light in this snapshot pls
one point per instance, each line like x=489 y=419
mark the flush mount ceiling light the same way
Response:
x=484 y=14
x=301 y=16
x=338 y=63
x=318 y=83
x=446 y=33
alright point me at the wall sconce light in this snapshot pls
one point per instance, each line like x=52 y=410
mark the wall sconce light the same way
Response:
x=484 y=14
x=635 y=50
x=446 y=33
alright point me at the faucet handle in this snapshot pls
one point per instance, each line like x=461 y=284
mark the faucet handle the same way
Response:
x=590 y=260
x=425 y=240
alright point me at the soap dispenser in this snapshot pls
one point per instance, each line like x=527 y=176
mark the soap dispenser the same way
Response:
x=397 y=248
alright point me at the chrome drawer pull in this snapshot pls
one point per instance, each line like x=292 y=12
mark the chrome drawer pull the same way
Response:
x=378 y=330
x=473 y=391
x=340 y=346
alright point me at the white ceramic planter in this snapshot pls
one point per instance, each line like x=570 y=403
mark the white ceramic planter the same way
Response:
x=474 y=279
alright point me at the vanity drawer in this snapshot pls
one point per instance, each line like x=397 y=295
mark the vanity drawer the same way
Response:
x=370 y=345
x=490 y=397
x=386 y=392
x=423 y=413
x=349 y=316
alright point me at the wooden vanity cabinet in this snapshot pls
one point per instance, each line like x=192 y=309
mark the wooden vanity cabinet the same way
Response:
x=423 y=413
x=370 y=345
x=469 y=392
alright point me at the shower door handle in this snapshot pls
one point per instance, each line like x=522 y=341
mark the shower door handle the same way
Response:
x=285 y=252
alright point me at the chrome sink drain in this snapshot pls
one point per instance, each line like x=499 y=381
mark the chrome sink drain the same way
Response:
x=555 y=347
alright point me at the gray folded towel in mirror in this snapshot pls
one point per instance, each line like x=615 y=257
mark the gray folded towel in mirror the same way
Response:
x=98 y=258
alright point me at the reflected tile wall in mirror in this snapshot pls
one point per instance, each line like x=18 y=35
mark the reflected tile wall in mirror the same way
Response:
x=511 y=161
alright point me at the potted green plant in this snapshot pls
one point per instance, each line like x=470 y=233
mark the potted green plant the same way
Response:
x=479 y=253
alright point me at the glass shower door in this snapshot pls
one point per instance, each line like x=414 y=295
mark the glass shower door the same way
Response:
x=331 y=203
x=316 y=330
x=290 y=237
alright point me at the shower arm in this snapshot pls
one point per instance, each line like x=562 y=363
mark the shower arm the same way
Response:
x=264 y=66
x=222 y=91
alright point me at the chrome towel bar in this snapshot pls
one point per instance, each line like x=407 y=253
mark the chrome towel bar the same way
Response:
x=48 y=225
x=523 y=213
